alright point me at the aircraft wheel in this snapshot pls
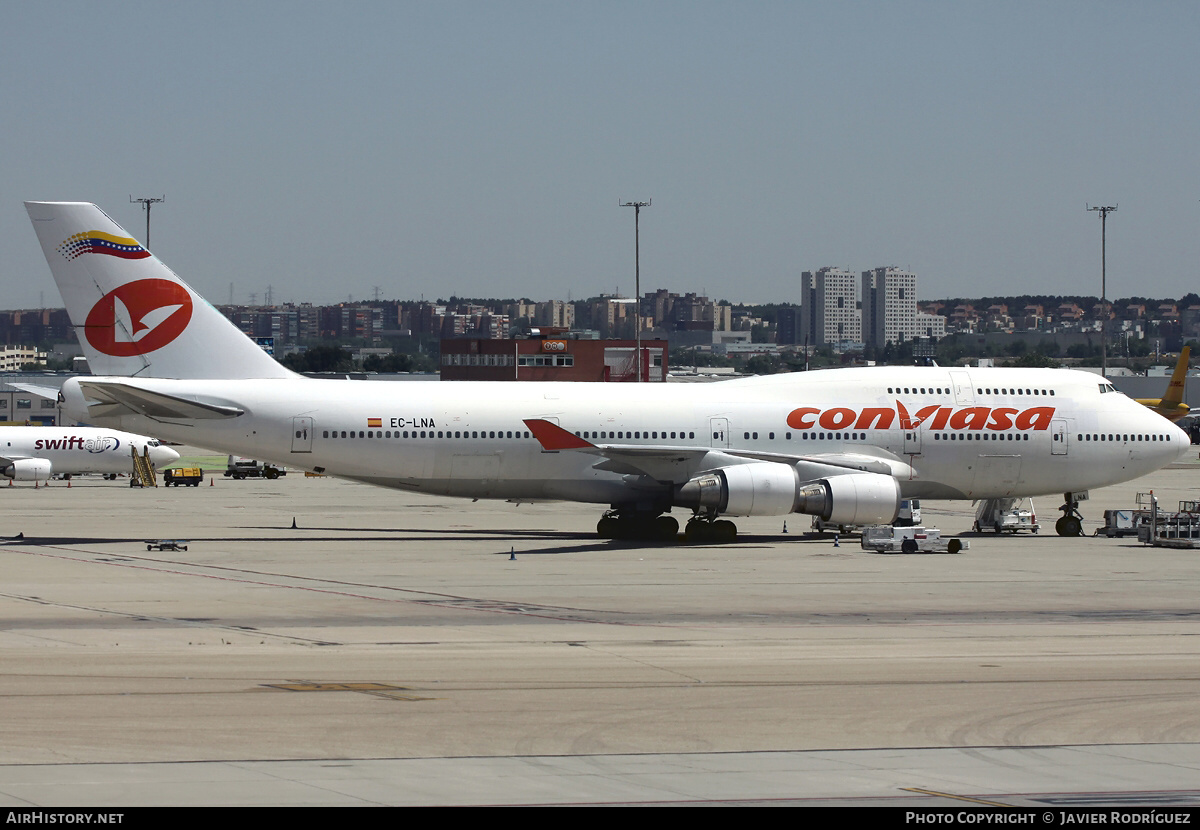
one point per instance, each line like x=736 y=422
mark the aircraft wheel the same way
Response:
x=725 y=531
x=1068 y=526
x=606 y=528
x=666 y=528
x=698 y=532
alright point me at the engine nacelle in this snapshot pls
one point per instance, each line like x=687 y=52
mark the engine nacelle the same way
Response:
x=764 y=488
x=761 y=488
x=853 y=499
x=28 y=469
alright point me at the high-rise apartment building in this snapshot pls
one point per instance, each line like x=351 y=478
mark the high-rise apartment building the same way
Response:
x=830 y=311
x=889 y=306
x=555 y=314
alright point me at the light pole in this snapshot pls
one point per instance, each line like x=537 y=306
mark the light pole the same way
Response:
x=1104 y=211
x=637 y=278
x=146 y=203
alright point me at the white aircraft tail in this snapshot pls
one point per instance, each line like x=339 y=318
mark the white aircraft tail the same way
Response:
x=133 y=315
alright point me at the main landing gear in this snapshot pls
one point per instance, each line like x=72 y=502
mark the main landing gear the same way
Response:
x=710 y=529
x=654 y=527
x=616 y=524
x=1071 y=522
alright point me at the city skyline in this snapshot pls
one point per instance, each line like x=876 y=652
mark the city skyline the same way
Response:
x=452 y=148
x=884 y=312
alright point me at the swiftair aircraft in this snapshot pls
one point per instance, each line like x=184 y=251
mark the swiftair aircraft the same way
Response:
x=36 y=453
x=844 y=444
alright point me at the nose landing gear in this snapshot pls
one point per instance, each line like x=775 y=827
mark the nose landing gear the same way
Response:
x=1071 y=521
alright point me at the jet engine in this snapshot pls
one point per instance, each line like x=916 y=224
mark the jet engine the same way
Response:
x=27 y=469
x=854 y=499
x=764 y=488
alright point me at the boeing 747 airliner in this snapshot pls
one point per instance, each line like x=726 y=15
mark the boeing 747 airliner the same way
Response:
x=844 y=444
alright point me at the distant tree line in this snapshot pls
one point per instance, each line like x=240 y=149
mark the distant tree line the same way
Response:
x=333 y=358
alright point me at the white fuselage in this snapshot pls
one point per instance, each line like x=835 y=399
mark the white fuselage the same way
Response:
x=941 y=433
x=76 y=450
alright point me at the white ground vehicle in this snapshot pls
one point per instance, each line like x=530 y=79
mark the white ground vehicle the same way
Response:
x=888 y=539
x=1003 y=515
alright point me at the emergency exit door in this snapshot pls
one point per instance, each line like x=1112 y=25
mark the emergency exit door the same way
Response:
x=302 y=431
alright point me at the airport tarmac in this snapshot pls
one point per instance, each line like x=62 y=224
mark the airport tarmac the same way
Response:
x=389 y=650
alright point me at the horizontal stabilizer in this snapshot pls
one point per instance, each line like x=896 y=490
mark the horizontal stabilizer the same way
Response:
x=115 y=396
x=33 y=389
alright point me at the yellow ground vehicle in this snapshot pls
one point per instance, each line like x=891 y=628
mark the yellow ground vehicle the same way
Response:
x=177 y=476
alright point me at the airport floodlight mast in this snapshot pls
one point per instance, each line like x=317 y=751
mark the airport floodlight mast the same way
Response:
x=1104 y=211
x=637 y=278
x=146 y=203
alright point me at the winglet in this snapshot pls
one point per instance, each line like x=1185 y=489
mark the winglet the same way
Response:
x=552 y=437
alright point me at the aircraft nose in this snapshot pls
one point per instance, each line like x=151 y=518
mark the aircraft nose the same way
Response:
x=163 y=455
x=1185 y=440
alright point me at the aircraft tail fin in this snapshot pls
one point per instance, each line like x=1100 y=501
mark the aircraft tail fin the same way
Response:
x=133 y=315
x=1175 y=388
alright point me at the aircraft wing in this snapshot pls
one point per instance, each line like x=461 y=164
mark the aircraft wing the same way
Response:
x=114 y=398
x=33 y=389
x=679 y=464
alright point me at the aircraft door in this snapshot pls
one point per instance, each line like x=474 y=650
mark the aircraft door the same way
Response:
x=912 y=440
x=964 y=392
x=719 y=427
x=302 y=432
x=1058 y=437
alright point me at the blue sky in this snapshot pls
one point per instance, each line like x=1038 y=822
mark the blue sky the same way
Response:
x=483 y=148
